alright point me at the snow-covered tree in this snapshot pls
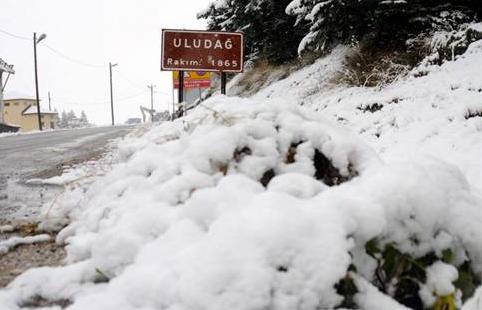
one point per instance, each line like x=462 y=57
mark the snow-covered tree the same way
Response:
x=279 y=30
x=70 y=120
x=83 y=119
x=71 y=115
x=380 y=23
x=63 y=123
x=270 y=34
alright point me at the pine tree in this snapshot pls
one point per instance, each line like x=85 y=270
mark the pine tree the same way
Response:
x=279 y=30
x=83 y=119
x=71 y=115
x=378 y=23
x=269 y=33
x=63 y=120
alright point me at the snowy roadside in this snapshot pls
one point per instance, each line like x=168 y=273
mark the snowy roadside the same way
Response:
x=248 y=204
x=23 y=244
x=262 y=204
x=24 y=247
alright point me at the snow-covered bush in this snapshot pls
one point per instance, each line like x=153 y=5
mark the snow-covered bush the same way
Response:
x=446 y=45
x=370 y=68
x=247 y=204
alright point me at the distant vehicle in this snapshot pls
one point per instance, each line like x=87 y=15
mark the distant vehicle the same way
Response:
x=133 y=121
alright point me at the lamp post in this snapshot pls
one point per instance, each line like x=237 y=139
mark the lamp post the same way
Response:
x=35 y=42
x=111 y=65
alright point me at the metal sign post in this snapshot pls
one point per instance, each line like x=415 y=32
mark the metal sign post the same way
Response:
x=223 y=83
x=194 y=50
x=181 y=89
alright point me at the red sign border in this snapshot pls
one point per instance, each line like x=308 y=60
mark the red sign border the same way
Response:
x=198 y=69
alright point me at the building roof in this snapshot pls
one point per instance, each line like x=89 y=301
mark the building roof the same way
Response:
x=17 y=95
x=33 y=110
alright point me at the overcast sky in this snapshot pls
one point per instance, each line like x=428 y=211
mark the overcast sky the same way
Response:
x=94 y=32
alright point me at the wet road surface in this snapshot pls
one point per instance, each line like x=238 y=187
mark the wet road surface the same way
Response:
x=44 y=155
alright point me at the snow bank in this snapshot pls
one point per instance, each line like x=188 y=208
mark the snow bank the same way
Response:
x=435 y=111
x=247 y=204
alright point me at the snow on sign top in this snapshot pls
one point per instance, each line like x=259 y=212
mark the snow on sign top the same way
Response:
x=195 y=50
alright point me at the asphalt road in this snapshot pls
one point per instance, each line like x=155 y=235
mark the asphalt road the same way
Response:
x=44 y=155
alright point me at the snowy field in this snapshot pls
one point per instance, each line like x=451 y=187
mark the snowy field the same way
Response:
x=268 y=203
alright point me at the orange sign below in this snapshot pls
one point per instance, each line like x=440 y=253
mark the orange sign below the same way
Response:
x=193 y=79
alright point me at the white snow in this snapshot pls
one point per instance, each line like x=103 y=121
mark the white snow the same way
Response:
x=421 y=115
x=12 y=242
x=67 y=177
x=475 y=303
x=369 y=297
x=186 y=205
x=440 y=277
x=18 y=95
x=183 y=220
x=33 y=110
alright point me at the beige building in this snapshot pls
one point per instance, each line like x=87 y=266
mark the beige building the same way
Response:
x=20 y=110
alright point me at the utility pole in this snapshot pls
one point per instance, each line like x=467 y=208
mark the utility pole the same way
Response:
x=151 y=87
x=50 y=104
x=111 y=65
x=35 y=42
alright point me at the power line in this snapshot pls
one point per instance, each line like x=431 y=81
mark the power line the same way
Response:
x=105 y=102
x=14 y=35
x=119 y=72
x=72 y=59
x=58 y=53
x=54 y=51
x=134 y=84
x=162 y=93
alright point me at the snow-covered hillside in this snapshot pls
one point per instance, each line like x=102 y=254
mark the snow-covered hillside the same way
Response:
x=437 y=110
x=268 y=203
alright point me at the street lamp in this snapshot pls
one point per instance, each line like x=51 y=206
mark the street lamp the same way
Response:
x=111 y=65
x=35 y=42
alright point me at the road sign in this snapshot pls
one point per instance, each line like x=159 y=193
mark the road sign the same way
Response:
x=194 y=50
x=193 y=79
